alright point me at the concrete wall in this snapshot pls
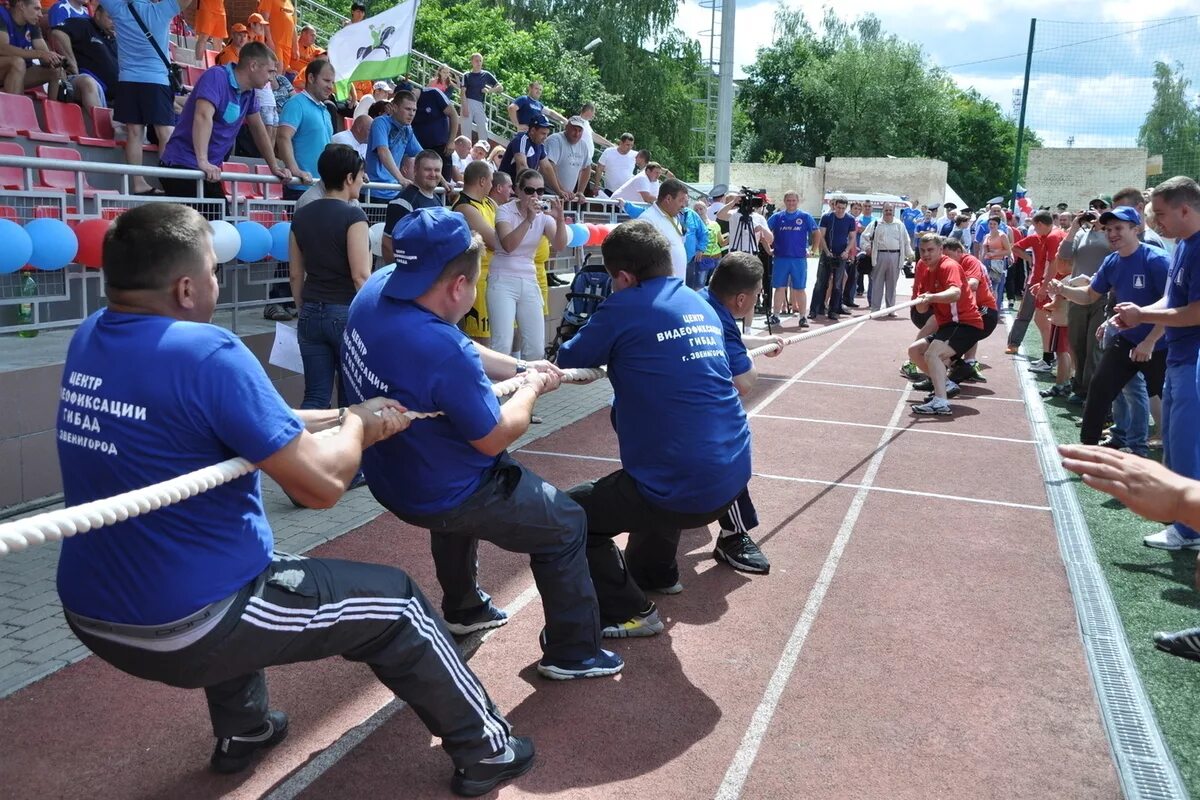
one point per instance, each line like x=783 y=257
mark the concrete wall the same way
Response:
x=921 y=179
x=1074 y=175
x=776 y=179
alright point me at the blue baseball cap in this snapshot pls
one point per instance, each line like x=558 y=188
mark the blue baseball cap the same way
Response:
x=540 y=121
x=424 y=242
x=1123 y=213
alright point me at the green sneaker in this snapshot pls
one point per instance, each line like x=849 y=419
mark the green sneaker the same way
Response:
x=977 y=372
x=909 y=370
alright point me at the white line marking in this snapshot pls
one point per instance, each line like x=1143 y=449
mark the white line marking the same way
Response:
x=905 y=429
x=304 y=777
x=818 y=482
x=886 y=389
x=803 y=371
x=743 y=759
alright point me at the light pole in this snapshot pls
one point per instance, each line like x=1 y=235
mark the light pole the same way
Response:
x=593 y=44
x=725 y=94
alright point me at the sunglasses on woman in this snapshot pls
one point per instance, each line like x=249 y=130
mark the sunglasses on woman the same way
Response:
x=532 y=190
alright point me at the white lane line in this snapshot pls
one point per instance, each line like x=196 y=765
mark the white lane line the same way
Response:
x=819 y=482
x=747 y=752
x=304 y=777
x=886 y=389
x=906 y=429
x=803 y=371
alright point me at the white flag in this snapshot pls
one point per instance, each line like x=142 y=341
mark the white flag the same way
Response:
x=376 y=48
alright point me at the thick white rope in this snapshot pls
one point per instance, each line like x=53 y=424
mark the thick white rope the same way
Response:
x=64 y=522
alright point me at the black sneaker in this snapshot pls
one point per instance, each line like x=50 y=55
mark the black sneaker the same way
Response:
x=487 y=617
x=960 y=371
x=1185 y=643
x=772 y=319
x=276 y=313
x=483 y=776
x=923 y=386
x=234 y=753
x=802 y=322
x=740 y=552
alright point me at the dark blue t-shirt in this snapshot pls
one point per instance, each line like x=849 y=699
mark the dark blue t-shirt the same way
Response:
x=21 y=36
x=145 y=399
x=398 y=349
x=1138 y=278
x=431 y=124
x=791 y=232
x=1183 y=289
x=680 y=426
x=521 y=143
x=527 y=109
x=910 y=217
x=735 y=348
x=837 y=231
x=475 y=82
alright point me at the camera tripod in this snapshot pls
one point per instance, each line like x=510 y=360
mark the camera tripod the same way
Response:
x=744 y=236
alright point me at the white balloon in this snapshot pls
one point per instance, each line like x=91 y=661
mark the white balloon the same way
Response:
x=226 y=240
x=376 y=234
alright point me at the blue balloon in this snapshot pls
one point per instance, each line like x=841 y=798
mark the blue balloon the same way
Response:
x=256 y=241
x=280 y=233
x=54 y=243
x=15 y=246
x=579 y=235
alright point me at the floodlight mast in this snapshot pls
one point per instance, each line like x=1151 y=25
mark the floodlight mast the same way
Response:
x=725 y=94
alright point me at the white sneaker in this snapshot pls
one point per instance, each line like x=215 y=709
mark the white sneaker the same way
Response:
x=1169 y=538
x=1041 y=366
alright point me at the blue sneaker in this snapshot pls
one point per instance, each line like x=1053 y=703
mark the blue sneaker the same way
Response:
x=487 y=617
x=606 y=663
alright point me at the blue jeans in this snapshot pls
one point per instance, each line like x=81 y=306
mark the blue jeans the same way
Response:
x=319 y=332
x=1181 y=423
x=1131 y=415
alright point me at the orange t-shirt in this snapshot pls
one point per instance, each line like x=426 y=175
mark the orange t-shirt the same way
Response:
x=210 y=19
x=229 y=55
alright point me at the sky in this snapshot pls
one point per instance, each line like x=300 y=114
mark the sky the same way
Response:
x=1092 y=94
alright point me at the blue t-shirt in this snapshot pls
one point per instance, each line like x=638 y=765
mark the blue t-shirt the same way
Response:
x=21 y=36
x=695 y=233
x=137 y=61
x=431 y=467
x=431 y=124
x=680 y=426
x=791 y=231
x=145 y=399
x=1183 y=289
x=1139 y=278
x=313 y=129
x=983 y=229
x=231 y=104
x=527 y=109
x=837 y=231
x=62 y=11
x=926 y=226
x=396 y=137
x=521 y=143
x=735 y=348
x=910 y=217
x=475 y=82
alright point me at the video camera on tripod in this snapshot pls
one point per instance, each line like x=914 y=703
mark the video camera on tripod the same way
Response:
x=750 y=200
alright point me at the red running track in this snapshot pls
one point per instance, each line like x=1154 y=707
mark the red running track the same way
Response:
x=915 y=638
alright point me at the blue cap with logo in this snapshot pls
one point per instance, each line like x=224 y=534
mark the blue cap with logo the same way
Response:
x=540 y=121
x=424 y=242
x=1122 y=213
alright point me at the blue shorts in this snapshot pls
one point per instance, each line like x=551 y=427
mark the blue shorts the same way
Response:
x=143 y=104
x=794 y=268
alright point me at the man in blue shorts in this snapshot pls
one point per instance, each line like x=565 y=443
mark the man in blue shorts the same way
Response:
x=791 y=228
x=452 y=474
x=1176 y=204
x=193 y=595
x=732 y=293
x=683 y=436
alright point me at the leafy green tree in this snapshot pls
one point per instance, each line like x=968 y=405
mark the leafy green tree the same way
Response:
x=1172 y=125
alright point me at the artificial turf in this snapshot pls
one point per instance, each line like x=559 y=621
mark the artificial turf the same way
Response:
x=1154 y=591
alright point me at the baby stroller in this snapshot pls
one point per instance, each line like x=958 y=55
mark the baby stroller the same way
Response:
x=587 y=291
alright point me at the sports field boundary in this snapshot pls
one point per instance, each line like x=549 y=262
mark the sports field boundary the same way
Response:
x=1144 y=763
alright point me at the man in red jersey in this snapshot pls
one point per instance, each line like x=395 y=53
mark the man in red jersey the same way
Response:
x=1040 y=248
x=966 y=369
x=960 y=325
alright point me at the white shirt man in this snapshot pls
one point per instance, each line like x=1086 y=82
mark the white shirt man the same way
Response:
x=617 y=164
x=641 y=188
x=663 y=215
x=356 y=137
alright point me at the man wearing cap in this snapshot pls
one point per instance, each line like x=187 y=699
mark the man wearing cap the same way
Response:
x=477 y=85
x=391 y=146
x=379 y=91
x=238 y=36
x=453 y=474
x=526 y=150
x=1135 y=273
x=567 y=165
x=258 y=31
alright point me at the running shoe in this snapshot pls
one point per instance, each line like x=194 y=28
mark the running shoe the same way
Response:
x=483 y=776
x=976 y=373
x=953 y=390
x=936 y=407
x=802 y=322
x=961 y=371
x=1169 y=538
x=648 y=623
x=1185 y=643
x=772 y=319
x=924 y=385
x=488 y=617
x=739 y=551
x=1076 y=399
x=1057 y=390
x=909 y=370
x=1041 y=366
x=605 y=663
x=234 y=753
x=674 y=588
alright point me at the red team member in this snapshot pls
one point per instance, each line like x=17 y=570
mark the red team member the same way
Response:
x=967 y=369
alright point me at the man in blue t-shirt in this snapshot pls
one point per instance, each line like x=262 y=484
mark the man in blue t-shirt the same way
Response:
x=682 y=433
x=835 y=239
x=1176 y=204
x=526 y=150
x=193 y=595
x=910 y=217
x=391 y=146
x=1135 y=273
x=451 y=473
x=732 y=293
x=791 y=228
x=477 y=85
x=523 y=110
x=305 y=127
x=22 y=38
x=436 y=126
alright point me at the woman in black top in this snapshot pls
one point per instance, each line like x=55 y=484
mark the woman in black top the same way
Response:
x=330 y=258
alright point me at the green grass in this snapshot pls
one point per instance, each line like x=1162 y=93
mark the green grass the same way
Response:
x=1153 y=589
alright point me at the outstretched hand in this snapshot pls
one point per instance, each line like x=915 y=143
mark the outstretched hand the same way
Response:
x=1145 y=487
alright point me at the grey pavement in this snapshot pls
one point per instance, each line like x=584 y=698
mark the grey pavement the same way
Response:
x=35 y=640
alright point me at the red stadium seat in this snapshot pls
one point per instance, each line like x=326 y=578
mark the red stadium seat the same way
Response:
x=271 y=191
x=264 y=218
x=112 y=212
x=67 y=118
x=64 y=180
x=17 y=118
x=247 y=191
x=192 y=74
x=47 y=212
x=8 y=212
x=12 y=177
x=102 y=123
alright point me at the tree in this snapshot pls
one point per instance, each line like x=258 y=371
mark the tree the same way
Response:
x=1172 y=125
